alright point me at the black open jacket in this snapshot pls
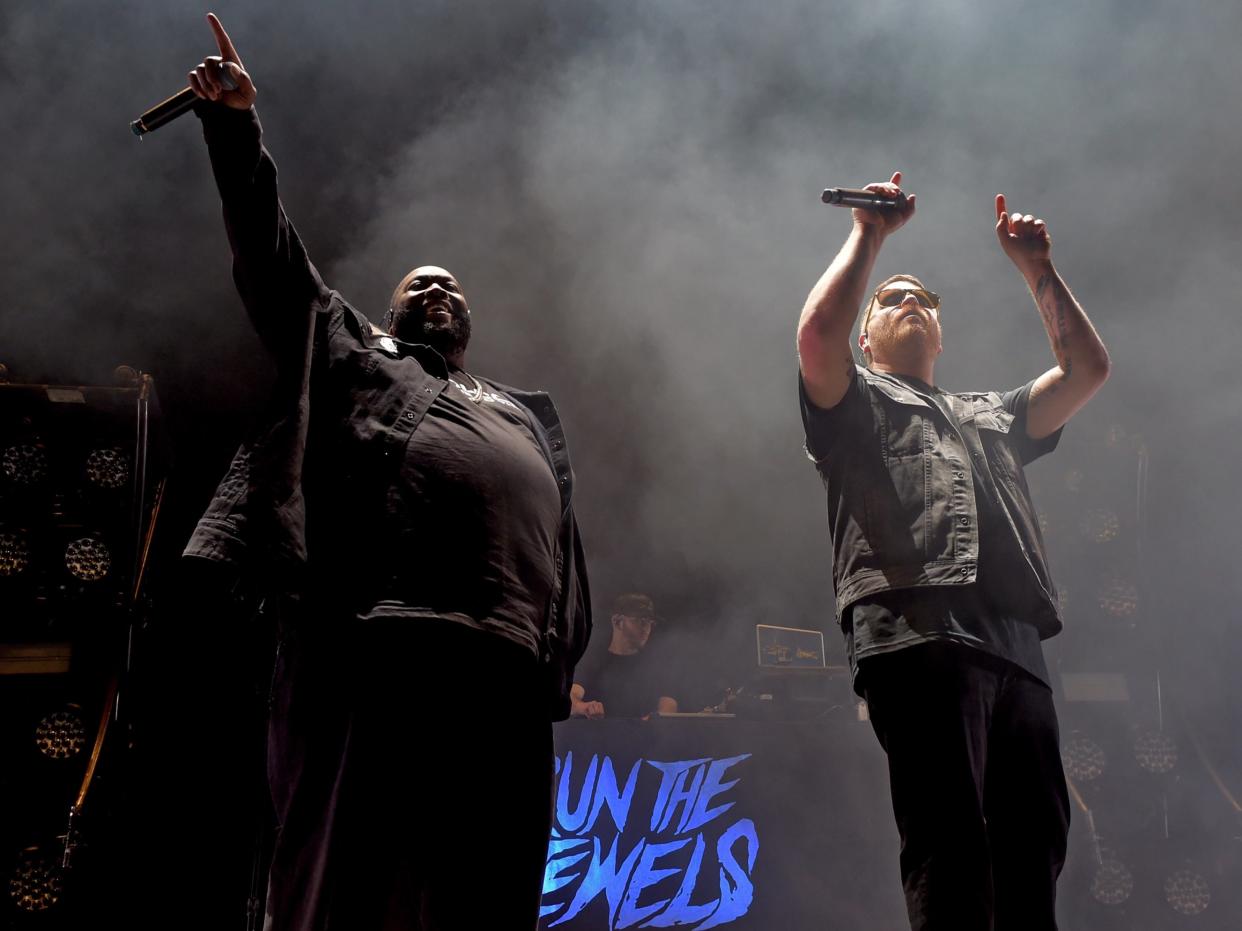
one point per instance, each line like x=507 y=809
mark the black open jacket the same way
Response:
x=297 y=512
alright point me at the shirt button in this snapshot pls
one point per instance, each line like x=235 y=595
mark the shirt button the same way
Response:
x=564 y=479
x=409 y=415
x=965 y=570
x=963 y=520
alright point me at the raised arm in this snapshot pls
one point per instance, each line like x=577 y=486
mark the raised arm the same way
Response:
x=274 y=276
x=1082 y=361
x=824 y=353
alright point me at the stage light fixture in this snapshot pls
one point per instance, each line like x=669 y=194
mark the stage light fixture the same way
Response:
x=1100 y=525
x=1073 y=479
x=1083 y=758
x=1155 y=751
x=1119 y=597
x=61 y=735
x=88 y=559
x=1112 y=883
x=14 y=553
x=35 y=885
x=107 y=468
x=1187 y=892
x=24 y=464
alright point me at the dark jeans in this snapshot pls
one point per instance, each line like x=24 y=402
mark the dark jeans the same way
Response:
x=411 y=770
x=978 y=790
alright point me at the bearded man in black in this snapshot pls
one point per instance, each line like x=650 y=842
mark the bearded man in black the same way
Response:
x=416 y=520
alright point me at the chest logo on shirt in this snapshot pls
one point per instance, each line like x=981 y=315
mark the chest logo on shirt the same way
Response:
x=491 y=397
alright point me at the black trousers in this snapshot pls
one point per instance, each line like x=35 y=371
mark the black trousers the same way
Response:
x=411 y=771
x=978 y=789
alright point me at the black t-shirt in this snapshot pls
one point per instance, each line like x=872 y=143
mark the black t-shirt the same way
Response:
x=981 y=615
x=474 y=518
x=628 y=685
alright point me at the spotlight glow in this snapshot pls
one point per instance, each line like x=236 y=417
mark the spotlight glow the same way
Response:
x=61 y=734
x=1100 y=526
x=1187 y=892
x=24 y=464
x=107 y=468
x=1155 y=751
x=14 y=553
x=88 y=559
x=1083 y=758
x=1119 y=597
x=1112 y=883
x=35 y=884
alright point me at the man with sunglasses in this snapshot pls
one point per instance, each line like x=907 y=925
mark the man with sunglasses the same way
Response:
x=942 y=585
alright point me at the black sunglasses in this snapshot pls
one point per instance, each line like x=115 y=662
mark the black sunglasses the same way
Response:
x=891 y=297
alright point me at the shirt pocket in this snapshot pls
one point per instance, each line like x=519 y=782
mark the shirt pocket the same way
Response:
x=896 y=496
x=995 y=425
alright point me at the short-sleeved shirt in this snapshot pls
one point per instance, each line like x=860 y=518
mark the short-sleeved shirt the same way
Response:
x=985 y=615
x=629 y=685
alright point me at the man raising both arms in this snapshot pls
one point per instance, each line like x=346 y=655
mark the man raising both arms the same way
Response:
x=941 y=580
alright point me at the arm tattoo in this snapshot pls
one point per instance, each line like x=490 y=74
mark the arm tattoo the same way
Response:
x=1056 y=320
x=1041 y=285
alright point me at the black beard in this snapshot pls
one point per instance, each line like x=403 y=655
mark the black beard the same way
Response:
x=410 y=325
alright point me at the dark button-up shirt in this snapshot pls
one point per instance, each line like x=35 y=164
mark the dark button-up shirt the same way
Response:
x=309 y=489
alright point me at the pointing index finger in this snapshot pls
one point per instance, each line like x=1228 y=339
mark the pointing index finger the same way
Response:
x=1000 y=206
x=223 y=42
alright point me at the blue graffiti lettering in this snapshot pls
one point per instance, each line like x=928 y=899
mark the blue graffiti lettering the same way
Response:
x=645 y=875
x=603 y=875
x=680 y=911
x=737 y=891
x=672 y=777
x=573 y=820
x=606 y=794
x=712 y=786
x=684 y=803
x=683 y=795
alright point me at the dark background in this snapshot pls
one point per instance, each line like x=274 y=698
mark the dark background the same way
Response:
x=629 y=195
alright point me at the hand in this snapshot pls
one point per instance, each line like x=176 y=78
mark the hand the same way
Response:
x=205 y=80
x=1025 y=239
x=587 y=709
x=891 y=219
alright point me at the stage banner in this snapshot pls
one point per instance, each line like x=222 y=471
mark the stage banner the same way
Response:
x=721 y=823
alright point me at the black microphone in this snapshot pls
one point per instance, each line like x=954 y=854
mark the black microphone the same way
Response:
x=179 y=103
x=867 y=200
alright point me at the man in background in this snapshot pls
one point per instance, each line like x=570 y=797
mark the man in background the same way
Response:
x=624 y=678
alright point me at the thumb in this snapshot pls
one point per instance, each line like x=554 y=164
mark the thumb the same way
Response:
x=231 y=75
